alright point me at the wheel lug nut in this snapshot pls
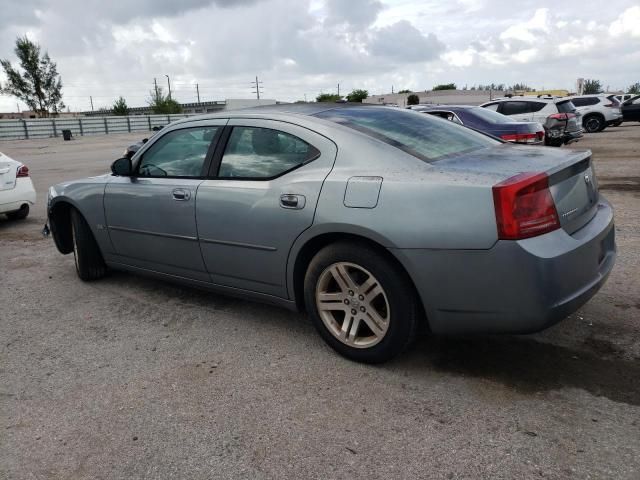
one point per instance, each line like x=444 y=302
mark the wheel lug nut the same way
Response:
x=351 y=292
x=361 y=297
x=362 y=309
x=353 y=311
x=346 y=301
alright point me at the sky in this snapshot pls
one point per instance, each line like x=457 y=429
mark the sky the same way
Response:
x=300 y=48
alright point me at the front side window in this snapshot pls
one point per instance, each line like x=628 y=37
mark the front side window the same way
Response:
x=180 y=153
x=263 y=153
x=417 y=134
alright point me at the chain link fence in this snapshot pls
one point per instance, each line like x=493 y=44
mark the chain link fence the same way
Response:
x=24 y=129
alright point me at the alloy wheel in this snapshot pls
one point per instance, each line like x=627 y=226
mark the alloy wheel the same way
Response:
x=352 y=305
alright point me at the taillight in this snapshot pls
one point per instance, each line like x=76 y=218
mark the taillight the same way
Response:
x=524 y=206
x=562 y=116
x=23 y=171
x=521 y=137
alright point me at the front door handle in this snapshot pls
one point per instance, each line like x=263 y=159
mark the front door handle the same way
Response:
x=180 y=194
x=292 y=201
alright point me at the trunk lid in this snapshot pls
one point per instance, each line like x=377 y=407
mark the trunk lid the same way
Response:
x=572 y=181
x=8 y=171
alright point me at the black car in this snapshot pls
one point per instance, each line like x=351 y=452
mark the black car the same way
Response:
x=133 y=148
x=488 y=121
x=631 y=109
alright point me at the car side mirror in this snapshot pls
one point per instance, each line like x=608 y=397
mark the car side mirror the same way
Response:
x=122 y=167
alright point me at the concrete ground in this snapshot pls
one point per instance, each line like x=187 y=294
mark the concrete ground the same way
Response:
x=129 y=377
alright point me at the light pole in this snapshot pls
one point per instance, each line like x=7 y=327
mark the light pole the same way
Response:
x=169 y=85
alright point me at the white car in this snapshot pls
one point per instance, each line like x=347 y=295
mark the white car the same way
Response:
x=17 y=194
x=558 y=116
x=598 y=111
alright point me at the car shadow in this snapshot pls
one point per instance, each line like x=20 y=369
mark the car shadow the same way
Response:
x=527 y=365
x=523 y=363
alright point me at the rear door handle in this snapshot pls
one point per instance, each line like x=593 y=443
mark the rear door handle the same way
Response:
x=180 y=194
x=292 y=201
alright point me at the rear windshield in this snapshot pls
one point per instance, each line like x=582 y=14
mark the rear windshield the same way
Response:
x=490 y=116
x=423 y=136
x=566 y=107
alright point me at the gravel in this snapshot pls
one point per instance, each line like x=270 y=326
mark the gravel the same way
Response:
x=130 y=377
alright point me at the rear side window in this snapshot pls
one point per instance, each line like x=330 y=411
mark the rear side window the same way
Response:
x=536 y=106
x=263 y=153
x=488 y=115
x=492 y=106
x=423 y=136
x=515 y=108
x=566 y=107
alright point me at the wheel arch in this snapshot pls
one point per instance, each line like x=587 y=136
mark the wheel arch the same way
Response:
x=60 y=224
x=593 y=114
x=305 y=249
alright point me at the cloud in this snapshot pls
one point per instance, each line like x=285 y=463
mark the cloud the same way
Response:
x=403 y=42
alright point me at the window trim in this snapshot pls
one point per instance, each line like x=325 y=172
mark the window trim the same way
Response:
x=214 y=169
x=207 y=159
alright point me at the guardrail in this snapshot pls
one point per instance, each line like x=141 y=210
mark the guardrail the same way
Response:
x=24 y=129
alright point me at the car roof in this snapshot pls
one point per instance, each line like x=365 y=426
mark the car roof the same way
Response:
x=306 y=110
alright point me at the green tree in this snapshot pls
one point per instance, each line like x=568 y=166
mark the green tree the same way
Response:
x=357 y=95
x=161 y=103
x=405 y=91
x=445 y=86
x=38 y=84
x=591 y=86
x=120 y=107
x=413 y=99
x=328 y=97
x=635 y=88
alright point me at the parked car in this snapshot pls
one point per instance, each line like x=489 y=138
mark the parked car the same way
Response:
x=624 y=97
x=490 y=122
x=598 y=111
x=378 y=221
x=558 y=116
x=631 y=109
x=17 y=194
x=134 y=147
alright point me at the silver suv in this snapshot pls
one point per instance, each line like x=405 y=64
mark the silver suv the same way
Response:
x=598 y=111
x=558 y=116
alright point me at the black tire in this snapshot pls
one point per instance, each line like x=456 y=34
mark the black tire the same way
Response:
x=89 y=262
x=556 y=142
x=593 y=123
x=403 y=308
x=19 y=214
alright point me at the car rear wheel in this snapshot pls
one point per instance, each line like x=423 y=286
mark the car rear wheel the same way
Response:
x=360 y=302
x=19 y=214
x=89 y=262
x=593 y=123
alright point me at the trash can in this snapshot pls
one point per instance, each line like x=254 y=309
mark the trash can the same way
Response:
x=66 y=134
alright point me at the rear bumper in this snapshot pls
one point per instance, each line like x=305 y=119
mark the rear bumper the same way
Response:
x=570 y=137
x=516 y=286
x=23 y=193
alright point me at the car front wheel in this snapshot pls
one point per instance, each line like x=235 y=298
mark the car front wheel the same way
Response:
x=362 y=304
x=593 y=123
x=89 y=262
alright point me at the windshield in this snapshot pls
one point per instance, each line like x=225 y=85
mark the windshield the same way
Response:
x=423 y=136
x=490 y=116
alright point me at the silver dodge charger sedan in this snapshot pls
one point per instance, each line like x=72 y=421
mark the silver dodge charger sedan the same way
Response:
x=377 y=221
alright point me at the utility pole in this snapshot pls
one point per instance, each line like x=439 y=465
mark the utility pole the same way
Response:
x=18 y=105
x=198 y=92
x=258 y=87
x=91 y=100
x=391 y=89
x=169 y=85
x=155 y=84
x=338 y=88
